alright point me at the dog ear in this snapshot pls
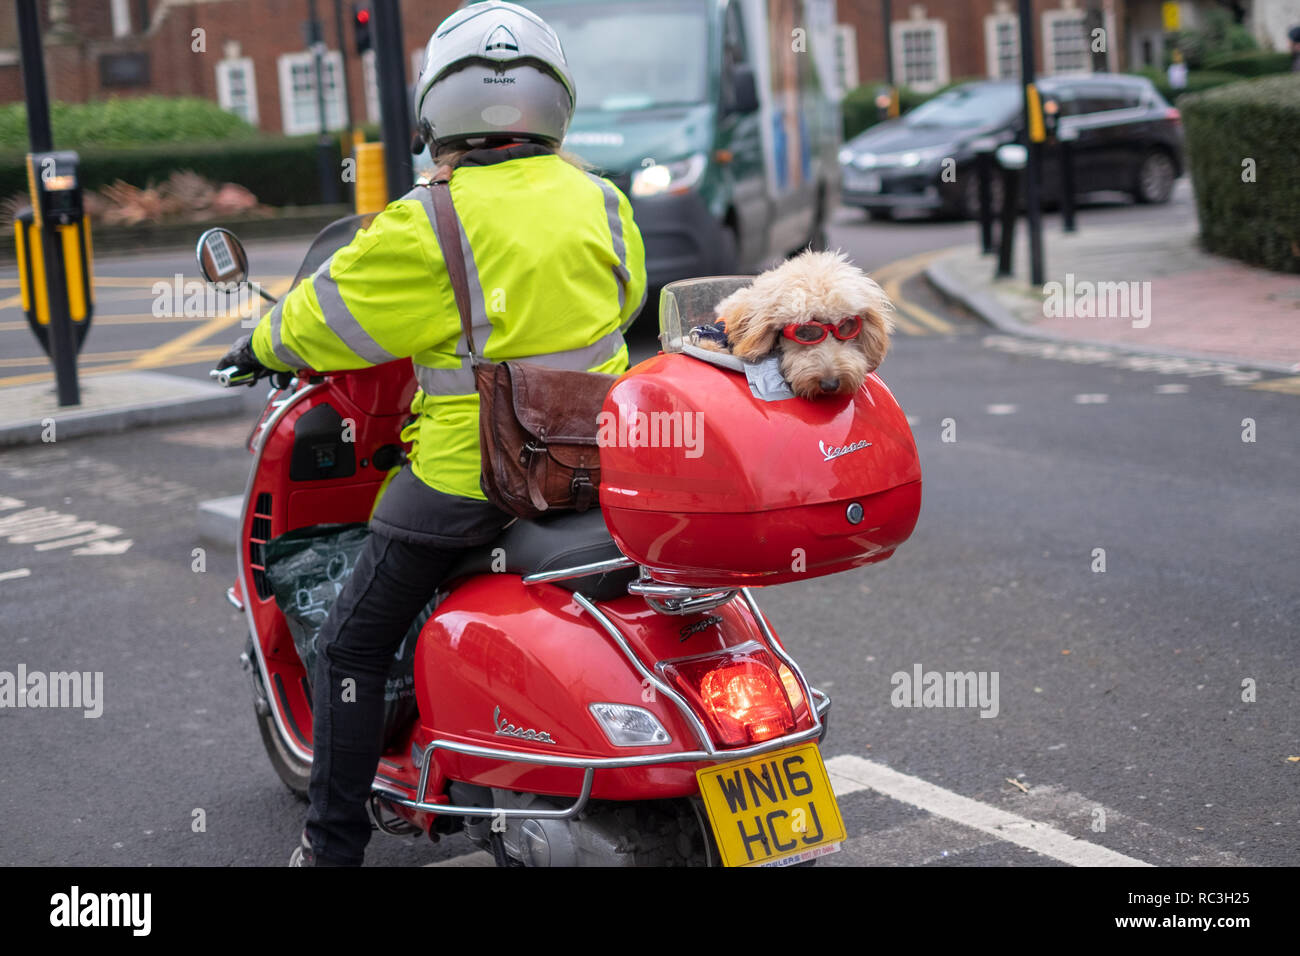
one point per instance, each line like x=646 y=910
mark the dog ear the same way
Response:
x=874 y=337
x=750 y=337
x=877 y=323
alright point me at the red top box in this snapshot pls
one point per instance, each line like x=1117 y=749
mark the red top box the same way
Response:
x=708 y=486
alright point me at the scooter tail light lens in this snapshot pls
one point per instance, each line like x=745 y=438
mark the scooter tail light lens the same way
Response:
x=628 y=726
x=793 y=690
x=740 y=694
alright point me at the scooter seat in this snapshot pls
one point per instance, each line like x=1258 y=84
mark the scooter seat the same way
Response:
x=566 y=540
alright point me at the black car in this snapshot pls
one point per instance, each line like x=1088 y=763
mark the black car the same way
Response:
x=1129 y=140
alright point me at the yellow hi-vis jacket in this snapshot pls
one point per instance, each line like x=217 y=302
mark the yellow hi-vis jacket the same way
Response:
x=556 y=271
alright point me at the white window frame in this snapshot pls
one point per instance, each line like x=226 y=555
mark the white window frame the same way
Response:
x=993 y=53
x=370 y=86
x=224 y=98
x=1050 y=19
x=939 y=29
x=846 y=57
x=335 y=115
x=121 y=12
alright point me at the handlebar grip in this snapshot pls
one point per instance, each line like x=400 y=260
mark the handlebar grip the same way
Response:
x=233 y=375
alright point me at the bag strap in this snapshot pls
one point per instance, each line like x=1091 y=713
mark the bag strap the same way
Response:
x=454 y=256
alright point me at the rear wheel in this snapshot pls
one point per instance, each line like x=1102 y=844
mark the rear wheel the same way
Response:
x=1155 y=178
x=880 y=215
x=295 y=772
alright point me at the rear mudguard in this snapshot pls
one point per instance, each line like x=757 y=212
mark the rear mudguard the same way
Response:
x=502 y=663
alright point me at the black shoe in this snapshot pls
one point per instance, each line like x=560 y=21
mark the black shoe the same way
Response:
x=304 y=855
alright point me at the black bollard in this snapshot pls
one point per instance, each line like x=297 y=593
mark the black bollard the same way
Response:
x=1067 y=138
x=1012 y=158
x=984 y=149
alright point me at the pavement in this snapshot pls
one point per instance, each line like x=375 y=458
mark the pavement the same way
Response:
x=31 y=414
x=1147 y=289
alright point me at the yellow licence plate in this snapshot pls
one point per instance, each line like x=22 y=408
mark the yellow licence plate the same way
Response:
x=774 y=809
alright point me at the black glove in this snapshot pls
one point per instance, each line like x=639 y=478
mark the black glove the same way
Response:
x=242 y=356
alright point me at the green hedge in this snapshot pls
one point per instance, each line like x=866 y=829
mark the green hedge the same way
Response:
x=1252 y=63
x=1197 y=81
x=127 y=122
x=1258 y=222
x=859 y=104
x=279 y=171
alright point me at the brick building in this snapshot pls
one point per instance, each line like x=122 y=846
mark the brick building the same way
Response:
x=936 y=41
x=248 y=55
x=251 y=55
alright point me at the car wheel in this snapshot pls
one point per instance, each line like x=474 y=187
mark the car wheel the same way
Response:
x=880 y=215
x=1155 y=178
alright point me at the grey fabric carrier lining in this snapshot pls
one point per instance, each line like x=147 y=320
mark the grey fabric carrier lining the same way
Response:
x=765 y=381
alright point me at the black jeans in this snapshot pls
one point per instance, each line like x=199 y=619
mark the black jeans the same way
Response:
x=395 y=576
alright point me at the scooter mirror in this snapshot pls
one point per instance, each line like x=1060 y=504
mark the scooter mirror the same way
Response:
x=221 y=257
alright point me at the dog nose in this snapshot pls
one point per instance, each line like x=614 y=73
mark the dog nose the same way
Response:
x=830 y=384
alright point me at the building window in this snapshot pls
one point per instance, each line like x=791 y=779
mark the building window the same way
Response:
x=1002 y=46
x=121 y=12
x=921 y=54
x=300 y=110
x=846 y=57
x=370 y=83
x=236 y=88
x=1065 y=42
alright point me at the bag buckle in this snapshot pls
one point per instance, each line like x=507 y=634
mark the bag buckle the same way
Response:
x=584 y=492
x=530 y=448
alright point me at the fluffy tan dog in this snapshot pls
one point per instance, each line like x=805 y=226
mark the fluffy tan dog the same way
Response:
x=813 y=294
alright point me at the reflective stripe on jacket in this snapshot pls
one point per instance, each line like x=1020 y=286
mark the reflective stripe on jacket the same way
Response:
x=556 y=272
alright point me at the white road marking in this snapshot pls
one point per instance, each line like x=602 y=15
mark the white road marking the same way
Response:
x=1092 y=398
x=850 y=774
x=1000 y=409
x=16 y=573
x=477 y=858
x=106 y=547
x=47 y=529
x=1095 y=355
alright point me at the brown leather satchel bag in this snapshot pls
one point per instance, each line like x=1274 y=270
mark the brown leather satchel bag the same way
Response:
x=537 y=425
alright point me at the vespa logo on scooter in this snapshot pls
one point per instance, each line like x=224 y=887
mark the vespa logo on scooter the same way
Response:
x=505 y=729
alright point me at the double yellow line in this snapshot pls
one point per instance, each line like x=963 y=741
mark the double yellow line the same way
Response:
x=911 y=318
x=184 y=349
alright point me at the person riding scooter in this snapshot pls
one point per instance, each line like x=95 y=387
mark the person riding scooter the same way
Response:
x=556 y=273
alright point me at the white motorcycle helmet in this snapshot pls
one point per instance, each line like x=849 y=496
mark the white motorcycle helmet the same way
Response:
x=493 y=70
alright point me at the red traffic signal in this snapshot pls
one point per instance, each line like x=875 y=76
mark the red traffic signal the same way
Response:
x=361 y=28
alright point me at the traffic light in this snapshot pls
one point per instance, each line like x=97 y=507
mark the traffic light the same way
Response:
x=361 y=27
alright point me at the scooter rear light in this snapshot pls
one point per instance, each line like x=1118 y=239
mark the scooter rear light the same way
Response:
x=793 y=690
x=740 y=694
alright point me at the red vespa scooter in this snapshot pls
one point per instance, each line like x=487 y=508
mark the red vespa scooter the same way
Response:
x=596 y=688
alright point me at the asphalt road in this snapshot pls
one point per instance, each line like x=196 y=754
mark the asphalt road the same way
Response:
x=1121 y=692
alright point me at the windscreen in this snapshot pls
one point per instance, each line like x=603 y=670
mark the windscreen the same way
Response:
x=687 y=303
x=329 y=241
x=968 y=107
x=630 y=56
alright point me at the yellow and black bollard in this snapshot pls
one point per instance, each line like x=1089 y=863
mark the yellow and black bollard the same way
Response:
x=78 y=260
